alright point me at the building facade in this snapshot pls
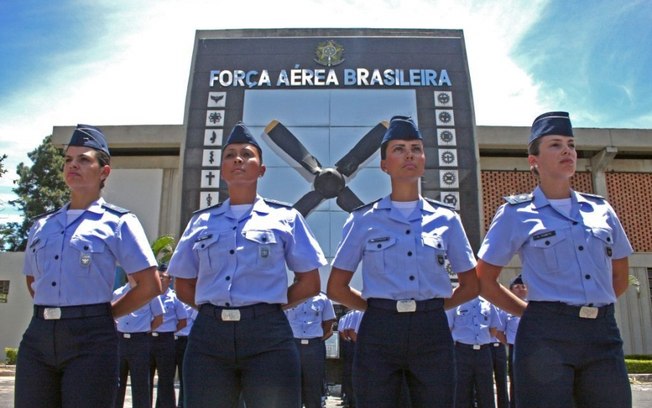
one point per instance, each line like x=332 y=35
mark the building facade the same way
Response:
x=326 y=94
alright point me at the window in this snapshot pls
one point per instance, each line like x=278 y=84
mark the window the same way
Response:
x=4 y=291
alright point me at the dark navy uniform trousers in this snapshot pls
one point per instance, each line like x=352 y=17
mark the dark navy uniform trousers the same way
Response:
x=255 y=355
x=312 y=353
x=180 y=343
x=70 y=362
x=562 y=360
x=162 y=361
x=499 y=361
x=134 y=362
x=394 y=347
x=474 y=376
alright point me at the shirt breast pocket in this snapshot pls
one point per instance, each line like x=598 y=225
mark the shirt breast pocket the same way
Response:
x=601 y=247
x=376 y=250
x=436 y=249
x=88 y=251
x=205 y=246
x=266 y=245
x=38 y=252
x=550 y=249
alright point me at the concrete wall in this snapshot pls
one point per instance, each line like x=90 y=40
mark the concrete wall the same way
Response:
x=15 y=314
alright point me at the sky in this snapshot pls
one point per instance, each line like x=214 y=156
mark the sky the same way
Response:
x=124 y=62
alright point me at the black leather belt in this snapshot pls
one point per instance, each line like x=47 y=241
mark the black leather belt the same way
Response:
x=305 y=342
x=471 y=346
x=583 y=312
x=406 y=306
x=229 y=314
x=162 y=335
x=133 y=335
x=72 y=312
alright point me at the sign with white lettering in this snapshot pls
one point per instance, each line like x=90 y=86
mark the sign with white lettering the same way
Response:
x=317 y=100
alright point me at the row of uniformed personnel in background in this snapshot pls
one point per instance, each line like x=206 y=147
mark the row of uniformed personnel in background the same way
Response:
x=230 y=264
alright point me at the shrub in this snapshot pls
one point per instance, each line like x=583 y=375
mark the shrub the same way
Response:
x=11 y=354
x=638 y=366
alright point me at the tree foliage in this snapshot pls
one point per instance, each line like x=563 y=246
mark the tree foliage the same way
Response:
x=3 y=170
x=40 y=188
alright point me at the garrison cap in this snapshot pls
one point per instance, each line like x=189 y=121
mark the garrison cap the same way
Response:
x=89 y=136
x=400 y=128
x=241 y=134
x=551 y=123
x=516 y=281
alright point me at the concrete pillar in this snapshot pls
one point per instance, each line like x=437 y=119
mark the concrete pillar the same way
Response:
x=599 y=163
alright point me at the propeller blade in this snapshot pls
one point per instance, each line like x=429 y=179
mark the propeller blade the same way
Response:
x=362 y=151
x=347 y=200
x=286 y=145
x=308 y=202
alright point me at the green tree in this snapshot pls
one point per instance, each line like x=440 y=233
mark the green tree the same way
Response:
x=2 y=168
x=40 y=188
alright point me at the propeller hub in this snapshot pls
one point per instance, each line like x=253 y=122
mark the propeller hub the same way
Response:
x=329 y=182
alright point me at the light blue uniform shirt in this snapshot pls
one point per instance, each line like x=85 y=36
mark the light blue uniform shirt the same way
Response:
x=76 y=264
x=138 y=321
x=404 y=258
x=511 y=327
x=174 y=311
x=192 y=315
x=470 y=322
x=306 y=318
x=243 y=262
x=565 y=258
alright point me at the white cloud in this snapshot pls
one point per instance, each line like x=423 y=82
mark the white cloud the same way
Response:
x=141 y=76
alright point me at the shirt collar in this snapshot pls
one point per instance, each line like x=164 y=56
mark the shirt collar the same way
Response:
x=577 y=199
x=422 y=205
x=259 y=206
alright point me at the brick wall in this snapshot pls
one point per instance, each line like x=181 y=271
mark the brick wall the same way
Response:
x=629 y=193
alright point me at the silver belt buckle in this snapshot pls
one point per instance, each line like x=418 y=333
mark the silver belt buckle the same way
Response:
x=230 y=315
x=154 y=334
x=476 y=347
x=52 y=313
x=126 y=335
x=305 y=341
x=406 y=306
x=588 y=312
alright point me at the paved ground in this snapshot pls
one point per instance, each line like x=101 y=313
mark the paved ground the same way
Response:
x=642 y=393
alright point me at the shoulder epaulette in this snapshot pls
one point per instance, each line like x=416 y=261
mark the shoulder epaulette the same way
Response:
x=207 y=208
x=589 y=195
x=44 y=214
x=275 y=202
x=363 y=206
x=439 y=203
x=519 y=198
x=115 y=209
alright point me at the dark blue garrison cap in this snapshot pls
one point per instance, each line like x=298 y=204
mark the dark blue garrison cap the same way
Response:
x=241 y=134
x=400 y=128
x=89 y=136
x=516 y=281
x=551 y=123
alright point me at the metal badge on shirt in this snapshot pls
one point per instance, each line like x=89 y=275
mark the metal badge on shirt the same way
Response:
x=85 y=259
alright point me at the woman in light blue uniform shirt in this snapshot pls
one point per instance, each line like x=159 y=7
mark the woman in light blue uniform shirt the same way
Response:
x=568 y=350
x=406 y=243
x=68 y=356
x=231 y=263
